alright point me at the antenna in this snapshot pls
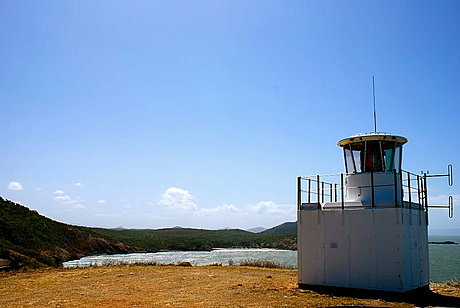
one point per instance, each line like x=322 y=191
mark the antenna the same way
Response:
x=373 y=94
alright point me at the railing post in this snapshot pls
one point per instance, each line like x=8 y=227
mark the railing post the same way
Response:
x=419 y=197
x=341 y=191
x=330 y=192
x=372 y=188
x=395 y=187
x=402 y=188
x=299 y=191
x=322 y=192
x=309 y=190
x=408 y=190
x=425 y=197
x=335 y=192
x=422 y=193
x=317 y=191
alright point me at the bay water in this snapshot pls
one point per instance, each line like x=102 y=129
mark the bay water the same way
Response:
x=444 y=258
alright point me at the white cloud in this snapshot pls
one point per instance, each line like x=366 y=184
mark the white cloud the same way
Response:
x=111 y=215
x=224 y=208
x=15 y=186
x=178 y=199
x=78 y=184
x=443 y=199
x=58 y=192
x=63 y=199
x=101 y=201
x=79 y=199
x=189 y=214
x=67 y=200
x=269 y=207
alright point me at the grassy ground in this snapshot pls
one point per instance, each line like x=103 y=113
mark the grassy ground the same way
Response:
x=204 y=286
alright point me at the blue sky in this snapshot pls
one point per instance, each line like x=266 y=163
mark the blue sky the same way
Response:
x=202 y=113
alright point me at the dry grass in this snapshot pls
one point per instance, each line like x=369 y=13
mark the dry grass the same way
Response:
x=261 y=263
x=453 y=283
x=162 y=286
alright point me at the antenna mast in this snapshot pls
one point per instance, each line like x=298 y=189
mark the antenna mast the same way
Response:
x=373 y=94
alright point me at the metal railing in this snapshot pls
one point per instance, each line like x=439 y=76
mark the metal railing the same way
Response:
x=319 y=191
x=410 y=190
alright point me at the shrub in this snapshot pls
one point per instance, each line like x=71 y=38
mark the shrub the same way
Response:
x=261 y=263
x=184 y=264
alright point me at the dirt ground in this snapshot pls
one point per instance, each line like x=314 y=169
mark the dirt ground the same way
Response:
x=176 y=286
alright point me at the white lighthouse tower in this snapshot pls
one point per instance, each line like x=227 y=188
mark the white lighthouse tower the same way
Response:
x=365 y=228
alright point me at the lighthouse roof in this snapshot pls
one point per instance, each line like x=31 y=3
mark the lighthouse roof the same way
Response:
x=371 y=137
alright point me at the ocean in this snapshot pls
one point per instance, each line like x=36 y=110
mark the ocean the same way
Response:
x=444 y=259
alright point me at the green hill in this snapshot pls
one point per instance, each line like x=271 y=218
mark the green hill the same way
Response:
x=27 y=238
x=196 y=239
x=285 y=228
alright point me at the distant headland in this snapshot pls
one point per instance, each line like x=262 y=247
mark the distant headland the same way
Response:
x=444 y=243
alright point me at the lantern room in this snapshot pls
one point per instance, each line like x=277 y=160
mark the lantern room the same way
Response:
x=374 y=152
x=372 y=168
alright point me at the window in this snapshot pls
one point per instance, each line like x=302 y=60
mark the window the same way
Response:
x=372 y=156
x=392 y=152
x=353 y=157
x=398 y=156
x=349 y=162
x=389 y=154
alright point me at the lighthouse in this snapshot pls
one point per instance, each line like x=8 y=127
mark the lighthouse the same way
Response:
x=365 y=228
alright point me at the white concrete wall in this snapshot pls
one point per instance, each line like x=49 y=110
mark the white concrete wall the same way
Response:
x=380 y=248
